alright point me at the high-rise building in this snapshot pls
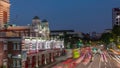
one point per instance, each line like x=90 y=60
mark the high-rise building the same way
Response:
x=4 y=12
x=116 y=16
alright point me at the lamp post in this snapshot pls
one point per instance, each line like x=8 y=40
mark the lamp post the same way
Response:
x=20 y=57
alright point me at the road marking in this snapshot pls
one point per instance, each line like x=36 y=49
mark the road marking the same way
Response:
x=100 y=62
x=95 y=56
x=92 y=61
x=115 y=59
x=90 y=65
x=109 y=58
x=101 y=56
x=105 y=58
x=105 y=63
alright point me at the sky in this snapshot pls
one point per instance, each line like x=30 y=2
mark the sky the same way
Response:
x=79 y=15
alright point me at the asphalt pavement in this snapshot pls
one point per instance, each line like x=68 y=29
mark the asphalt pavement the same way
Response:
x=104 y=59
x=101 y=61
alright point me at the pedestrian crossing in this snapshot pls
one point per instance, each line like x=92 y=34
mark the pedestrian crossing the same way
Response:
x=115 y=57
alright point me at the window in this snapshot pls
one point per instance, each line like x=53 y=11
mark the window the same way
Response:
x=117 y=19
x=5 y=46
x=16 y=63
x=22 y=34
x=43 y=46
x=116 y=22
x=117 y=13
x=16 y=46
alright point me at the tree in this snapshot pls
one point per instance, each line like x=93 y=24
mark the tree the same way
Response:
x=7 y=25
x=116 y=30
x=86 y=38
x=106 y=37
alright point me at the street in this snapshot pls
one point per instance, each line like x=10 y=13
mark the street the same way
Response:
x=101 y=61
x=105 y=59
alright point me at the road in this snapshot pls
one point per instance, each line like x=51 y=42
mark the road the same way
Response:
x=104 y=60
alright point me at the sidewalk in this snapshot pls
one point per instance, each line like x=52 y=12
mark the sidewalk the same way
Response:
x=57 y=61
x=69 y=63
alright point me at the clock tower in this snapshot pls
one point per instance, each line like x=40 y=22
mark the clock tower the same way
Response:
x=4 y=12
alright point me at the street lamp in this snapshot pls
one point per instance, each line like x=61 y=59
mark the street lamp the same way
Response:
x=19 y=55
x=19 y=59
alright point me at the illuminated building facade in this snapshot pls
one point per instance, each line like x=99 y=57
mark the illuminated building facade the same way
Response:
x=27 y=43
x=116 y=16
x=29 y=46
x=4 y=12
x=26 y=46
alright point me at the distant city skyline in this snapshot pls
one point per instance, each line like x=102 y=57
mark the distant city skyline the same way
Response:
x=80 y=15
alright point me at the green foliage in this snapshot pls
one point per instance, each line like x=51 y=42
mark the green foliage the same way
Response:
x=106 y=37
x=79 y=43
x=116 y=30
x=7 y=25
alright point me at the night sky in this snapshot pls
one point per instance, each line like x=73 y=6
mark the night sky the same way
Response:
x=80 y=15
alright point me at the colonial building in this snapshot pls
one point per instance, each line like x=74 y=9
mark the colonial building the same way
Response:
x=40 y=28
x=23 y=44
x=26 y=46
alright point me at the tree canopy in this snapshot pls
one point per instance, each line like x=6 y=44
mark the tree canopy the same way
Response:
x=116 y=30
x=106 y=37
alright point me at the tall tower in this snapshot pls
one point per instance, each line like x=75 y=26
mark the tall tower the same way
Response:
x=116 y=16
x=45 y=28
x=4 y=12
x=36 y=26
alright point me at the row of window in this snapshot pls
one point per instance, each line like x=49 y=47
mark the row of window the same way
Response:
x=16 y=46
x=16 y=63
x=117 y=23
